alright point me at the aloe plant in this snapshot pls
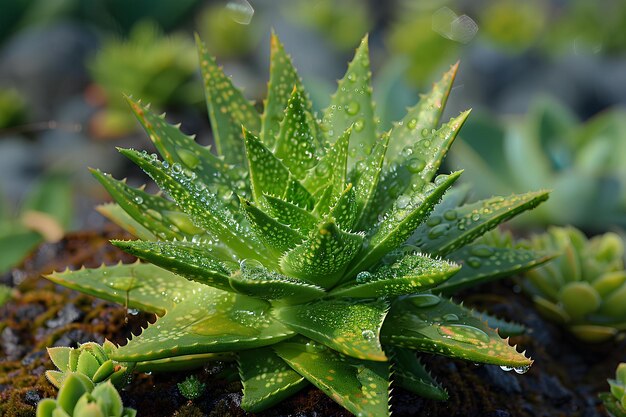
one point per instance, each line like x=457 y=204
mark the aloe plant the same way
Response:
x=615 y=400
x=312 y=250
x=584 y=288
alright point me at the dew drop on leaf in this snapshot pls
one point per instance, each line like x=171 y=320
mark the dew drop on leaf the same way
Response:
x=138 y=200
x=189 y=158
x=368 y=335
x=353 y=108
x=463 y=333
x=474 y=262
x=425 y=300
x=412 y=124
x=416 y=165
x=363 y=276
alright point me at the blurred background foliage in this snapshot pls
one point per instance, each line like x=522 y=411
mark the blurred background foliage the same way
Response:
x=546 y=79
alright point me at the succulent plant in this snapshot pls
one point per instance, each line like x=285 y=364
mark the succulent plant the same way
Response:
x=584 y=288
x=79 y=398
x=615 y=401
x=583 y=162
x=312 y=248
x=191 y=388
x=149 y=64
x=89 y=359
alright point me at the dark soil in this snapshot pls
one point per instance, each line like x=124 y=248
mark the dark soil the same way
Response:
x=564 y=381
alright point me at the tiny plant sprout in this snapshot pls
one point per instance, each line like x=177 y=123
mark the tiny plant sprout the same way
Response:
x=311 y=248
x=615 y=400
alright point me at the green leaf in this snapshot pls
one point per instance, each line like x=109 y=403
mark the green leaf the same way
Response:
x=152 y=212
x=482 y=263
x=115 y=213
x=352 y=105
x=268 y=175
x=142 y=286
x=296 y=146
x=407 y=214
x=15 y=246
x=192 y=260
x=283 y=79
x=368 y=173
x=412 y=273
x=177 y=148
x=360 y=386
x=206 y=209
x=276 y=236
x=228 y=109
x=73 y=388
x=52 y=195
x=410 y=374
x=291 y=215
x=424 y=115
x=332 y=167
x=413 y=169
x=504 y=328
x=267 y=379
x=344 y=211
x=322 y=258
x=255 y=280
x=206 y=321
x=348 y=326
x=429 y=323
x=458 y=227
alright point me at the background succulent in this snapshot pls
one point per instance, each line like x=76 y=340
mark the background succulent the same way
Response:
x=615 y=400
x=89 y=359
x=311 y=247
x=148 y=64
x=583 y=162
x=584 y=288
x=79 y=398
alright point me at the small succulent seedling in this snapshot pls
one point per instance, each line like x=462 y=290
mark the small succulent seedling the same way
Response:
x=615 y=401
x=90 y=360
x=79 y=398
x=191 y=388
x=314 y=248
x=584 y=288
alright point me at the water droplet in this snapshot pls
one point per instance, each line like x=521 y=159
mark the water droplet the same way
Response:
x=424 y=132
x=482 y=251
x=132 y=311
x=407 y=151
x=440 y=179
x=412 y=124
x=438 y=231
x=521 y=369
x=474 y=262
x=403 y=201
x=189 y=158
x=368 y=335
x=322 y=169
x=240 y=11
x=416 y=165
x=138 y=199
x=165 y=164
x=353 y=108
x=450 y=317
x=475 y=217
x=177 y=168
x=450 y=215
x=363 y=276
x=359 y=125
x=425 y=300
x=250 y=266
x=351 y=77
x=425 y=143
x=463 y=333
x=433 y=221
